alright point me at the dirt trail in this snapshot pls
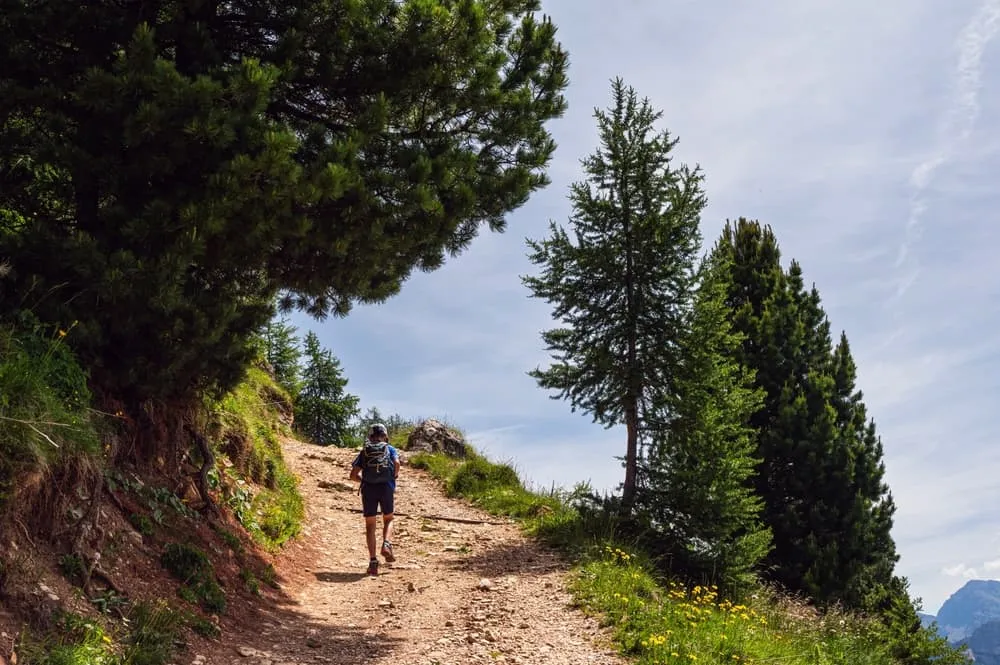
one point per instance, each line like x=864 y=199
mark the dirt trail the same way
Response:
x=428 y=607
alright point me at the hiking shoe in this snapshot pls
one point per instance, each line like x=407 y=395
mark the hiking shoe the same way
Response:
x=387 y=551
x=373 y=567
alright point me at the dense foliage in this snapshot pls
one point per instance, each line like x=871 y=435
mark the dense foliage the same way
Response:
x=185 y=162
x=821 y=472
x=696 y=495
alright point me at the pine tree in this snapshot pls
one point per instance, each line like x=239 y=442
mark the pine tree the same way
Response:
x=281 y=350
x=167 y=168
x=621 y=285
x=324 y=409
x=821 y=470
x=864 y=532
x=699 y=498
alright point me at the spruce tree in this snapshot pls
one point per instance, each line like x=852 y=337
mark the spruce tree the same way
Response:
x=621 y=283
x=821 y=470
x=167 y=168
x=324 y=409
x=698 y=497
x=282 y=352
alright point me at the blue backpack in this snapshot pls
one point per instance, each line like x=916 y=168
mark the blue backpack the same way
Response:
x=376 y=463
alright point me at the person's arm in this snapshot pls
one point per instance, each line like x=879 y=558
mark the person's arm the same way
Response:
x=395 y=464
x=356 y=468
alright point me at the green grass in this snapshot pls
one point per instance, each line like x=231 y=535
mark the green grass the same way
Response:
x=653 y=618
x=659 y=623
x=74 y=640
x=147 y=638
x=246 y=428
x=44 y=400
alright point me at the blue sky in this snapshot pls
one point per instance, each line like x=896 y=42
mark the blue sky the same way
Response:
x=864 y=133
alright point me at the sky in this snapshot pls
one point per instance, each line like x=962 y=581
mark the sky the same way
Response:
x=864 y=134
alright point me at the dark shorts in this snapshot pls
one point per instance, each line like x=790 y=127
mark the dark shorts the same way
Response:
x=373 y=496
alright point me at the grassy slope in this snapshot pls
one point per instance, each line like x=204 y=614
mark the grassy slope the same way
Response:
x=48 y=431
x=263 y=494
x=654 y=619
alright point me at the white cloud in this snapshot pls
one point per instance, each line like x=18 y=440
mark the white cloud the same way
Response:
x=956 y=128
x=840 y=124
x=960 y=570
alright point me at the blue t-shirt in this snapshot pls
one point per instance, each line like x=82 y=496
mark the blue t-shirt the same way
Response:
x=393 y=457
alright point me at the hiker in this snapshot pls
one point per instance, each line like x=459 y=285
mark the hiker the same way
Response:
x=377 y=467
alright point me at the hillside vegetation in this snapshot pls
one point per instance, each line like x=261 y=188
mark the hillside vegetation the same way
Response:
x=81 y=525
x=657 y=617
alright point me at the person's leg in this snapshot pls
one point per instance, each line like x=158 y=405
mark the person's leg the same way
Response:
x=370 y=526
x=369 y=508
x=387 y=515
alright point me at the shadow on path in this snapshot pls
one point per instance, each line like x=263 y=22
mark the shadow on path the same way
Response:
x=524 y=558
x=341 y=577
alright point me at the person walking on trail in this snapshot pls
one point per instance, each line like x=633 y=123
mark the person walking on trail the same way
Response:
x=377 y=467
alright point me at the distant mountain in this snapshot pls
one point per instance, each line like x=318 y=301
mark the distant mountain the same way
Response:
x=984 y=642
x=976 y=603
x=926 y=619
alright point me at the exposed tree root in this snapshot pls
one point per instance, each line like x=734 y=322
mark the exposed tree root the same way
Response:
x=207 y=464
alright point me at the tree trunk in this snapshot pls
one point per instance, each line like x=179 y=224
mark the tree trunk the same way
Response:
x=631 y=454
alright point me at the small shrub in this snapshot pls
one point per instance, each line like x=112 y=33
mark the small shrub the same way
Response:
x=107 y=601
x=230 y=539
x=72 y=568
x=141 y=523
x=196 y=574
x=203 y=626
x=269 y=576
x=250 y=581
x=154 y=628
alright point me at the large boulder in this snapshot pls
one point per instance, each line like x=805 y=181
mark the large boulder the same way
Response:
x=433 y=436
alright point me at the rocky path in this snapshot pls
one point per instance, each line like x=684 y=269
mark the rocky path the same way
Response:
x=465 y=588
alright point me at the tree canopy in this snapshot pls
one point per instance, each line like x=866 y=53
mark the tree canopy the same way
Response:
x=167 y=168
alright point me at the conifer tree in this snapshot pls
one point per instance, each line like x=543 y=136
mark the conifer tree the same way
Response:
x=167 y=168
x=621 y=283
x=699 y=497
x=821 y=470
x=324 y=409
x=282 y=352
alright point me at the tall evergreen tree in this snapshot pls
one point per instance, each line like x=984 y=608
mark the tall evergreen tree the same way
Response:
x=167 y=167
x=821 y=471
x=282 y=352
x=699 y=496
x=324 y=409
x=621 y=285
